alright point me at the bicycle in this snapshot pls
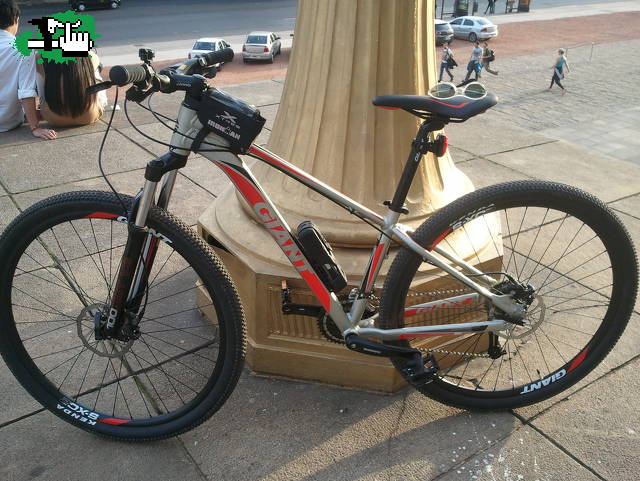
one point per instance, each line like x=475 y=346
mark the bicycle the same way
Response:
x=526 y=285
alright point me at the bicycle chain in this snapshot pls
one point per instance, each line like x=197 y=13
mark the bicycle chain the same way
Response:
x=331 y=332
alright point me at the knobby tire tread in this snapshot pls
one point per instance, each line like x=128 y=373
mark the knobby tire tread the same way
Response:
x=233 y=313
x=625 y=258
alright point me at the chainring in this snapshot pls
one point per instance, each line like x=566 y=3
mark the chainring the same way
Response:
x=329 y=329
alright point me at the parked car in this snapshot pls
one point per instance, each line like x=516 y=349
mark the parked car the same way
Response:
x=444 y=32
x=82 y=5
x=473 y=28
x=261 y=46
x=206 y=45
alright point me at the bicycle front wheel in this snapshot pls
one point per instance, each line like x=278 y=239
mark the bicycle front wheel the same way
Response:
x=60 y=259
x=563 y=244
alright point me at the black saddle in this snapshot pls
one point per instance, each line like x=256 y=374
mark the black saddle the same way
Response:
x=458 y=107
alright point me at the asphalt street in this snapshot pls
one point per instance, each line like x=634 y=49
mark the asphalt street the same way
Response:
x=501 y=4
x=147 y=22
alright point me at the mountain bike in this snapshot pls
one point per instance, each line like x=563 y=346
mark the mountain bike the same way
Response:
x=503 y=298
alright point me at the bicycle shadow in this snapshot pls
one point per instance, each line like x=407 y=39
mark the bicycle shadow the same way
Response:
x=283 y=430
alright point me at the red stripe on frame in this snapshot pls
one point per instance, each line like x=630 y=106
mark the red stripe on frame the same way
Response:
x=248 y=190
x=374 y=264
x=318 y=289
x=578 y=360
x=113 y=421
x=262 y=155
x=101 y=215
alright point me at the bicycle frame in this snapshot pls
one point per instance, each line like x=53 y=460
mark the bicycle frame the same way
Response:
x=240 y=175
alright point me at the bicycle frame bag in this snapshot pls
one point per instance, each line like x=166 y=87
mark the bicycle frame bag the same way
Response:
x=321 y=257
x=232 y=119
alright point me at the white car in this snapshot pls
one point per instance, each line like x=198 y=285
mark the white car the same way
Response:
x=473 y=28
x=206 y=45
x=261 y=46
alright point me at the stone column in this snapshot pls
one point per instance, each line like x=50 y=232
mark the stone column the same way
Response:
x=346 y=52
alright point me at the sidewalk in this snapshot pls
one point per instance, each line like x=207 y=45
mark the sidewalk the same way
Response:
x=283 y=430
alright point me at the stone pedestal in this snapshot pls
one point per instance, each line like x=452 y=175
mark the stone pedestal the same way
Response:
x=345 y=53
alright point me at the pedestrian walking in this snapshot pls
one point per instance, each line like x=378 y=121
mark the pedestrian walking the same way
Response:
x=558 y=70
x=488 y=56
x=474 y=64
x=447 y=62
x=509 y=6
x=491 y=7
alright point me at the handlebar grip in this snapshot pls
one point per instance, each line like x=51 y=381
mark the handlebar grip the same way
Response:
x=122 y=75
x=224 y=55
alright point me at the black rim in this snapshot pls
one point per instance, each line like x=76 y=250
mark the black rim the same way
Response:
x=571 y=268
x=160 y=376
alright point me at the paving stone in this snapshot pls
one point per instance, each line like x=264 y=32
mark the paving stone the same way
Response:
x=17 y=401
x=459 y=155
x=44 y=447
x=8 y=212
x=483 y=173
x=523 y=455
x=432 y=438
x=22 y=135
x=604 y=176
x=32 y=166
x=259 y=94
x=269 y=112
x=280 y=430
x=599 y=425
x=487 y=134
x=629 y=205
x=160 y=103
x=155 y=130
x=187 y=202
x=205 y=174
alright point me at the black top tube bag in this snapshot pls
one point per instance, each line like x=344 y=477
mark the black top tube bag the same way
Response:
x=232 y=119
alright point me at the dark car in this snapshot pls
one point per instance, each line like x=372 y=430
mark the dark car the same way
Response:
x=82 y=5
x=444 y=32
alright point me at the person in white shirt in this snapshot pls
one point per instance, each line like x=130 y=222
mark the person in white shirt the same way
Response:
x=18 y=90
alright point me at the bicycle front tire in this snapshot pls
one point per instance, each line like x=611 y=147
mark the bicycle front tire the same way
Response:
x=60 y=260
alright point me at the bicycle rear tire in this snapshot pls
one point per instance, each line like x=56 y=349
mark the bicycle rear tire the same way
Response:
x=185 y=367
x=574 y=291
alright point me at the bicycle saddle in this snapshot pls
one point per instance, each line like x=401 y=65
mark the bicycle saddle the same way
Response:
x=458 y=107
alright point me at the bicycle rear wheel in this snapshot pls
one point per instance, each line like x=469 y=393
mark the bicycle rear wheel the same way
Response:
x=563 y=242
x=60 y=261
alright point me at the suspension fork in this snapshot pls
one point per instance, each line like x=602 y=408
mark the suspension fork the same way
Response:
x=139 y=253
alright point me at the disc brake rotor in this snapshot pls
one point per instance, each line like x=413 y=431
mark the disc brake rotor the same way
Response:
x=535 y=316
x=104 y=348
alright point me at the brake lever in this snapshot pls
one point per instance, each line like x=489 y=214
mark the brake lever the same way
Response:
x=94 y=89
x=136 y=93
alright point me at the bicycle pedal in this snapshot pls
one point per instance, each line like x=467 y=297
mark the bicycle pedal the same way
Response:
x=417 y=372
x=289 y=307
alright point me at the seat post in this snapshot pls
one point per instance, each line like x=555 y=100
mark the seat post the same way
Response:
x=419 y=147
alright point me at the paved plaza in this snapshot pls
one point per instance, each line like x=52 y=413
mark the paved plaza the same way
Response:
x=277 y=430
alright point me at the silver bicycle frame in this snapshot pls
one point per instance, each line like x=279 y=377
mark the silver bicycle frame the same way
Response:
x=239 y=173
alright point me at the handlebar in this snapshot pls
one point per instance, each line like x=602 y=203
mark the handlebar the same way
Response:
x=122 y=75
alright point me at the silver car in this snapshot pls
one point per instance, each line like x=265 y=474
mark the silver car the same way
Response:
x=261 y=46
x=473 y=28
x=444 y=32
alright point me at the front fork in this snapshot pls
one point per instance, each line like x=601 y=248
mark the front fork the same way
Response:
x=136 y=264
